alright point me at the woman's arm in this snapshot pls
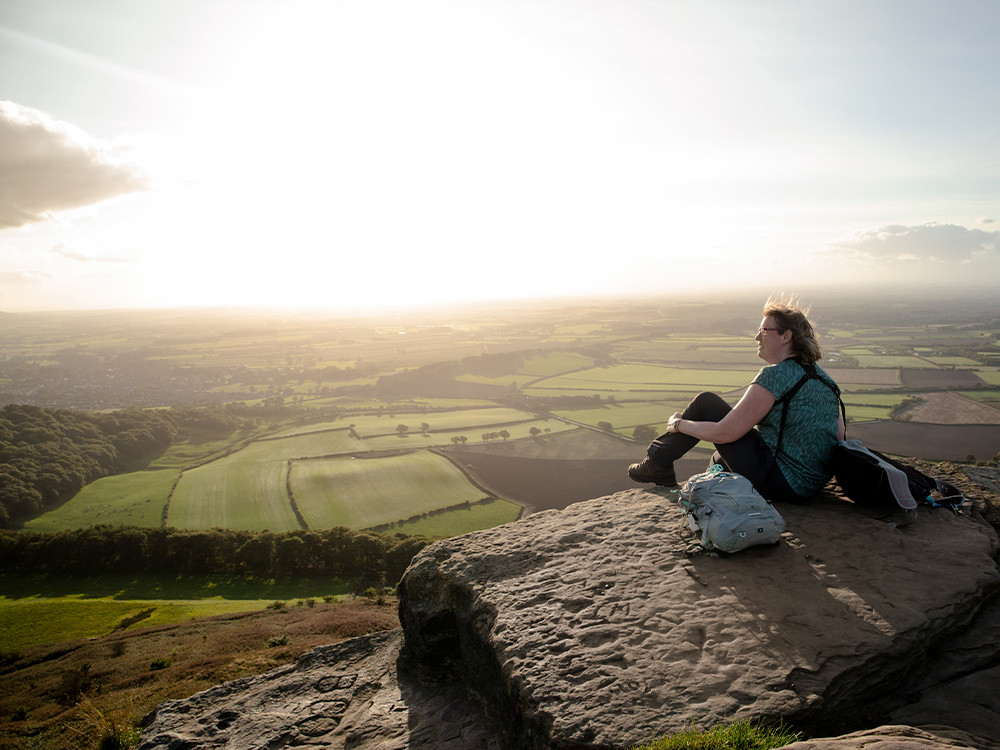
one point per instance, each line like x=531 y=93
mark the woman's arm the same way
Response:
x=756 y=402
x=841 y=428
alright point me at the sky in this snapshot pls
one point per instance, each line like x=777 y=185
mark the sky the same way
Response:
x=370 y=154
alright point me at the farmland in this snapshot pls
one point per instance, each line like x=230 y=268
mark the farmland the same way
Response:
x=435 y=423
x=336 y=418
x=366 y=492
x=46 y=609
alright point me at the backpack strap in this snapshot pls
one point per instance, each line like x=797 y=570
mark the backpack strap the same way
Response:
x=899 y=482
x=810 y=374
x=951 y=496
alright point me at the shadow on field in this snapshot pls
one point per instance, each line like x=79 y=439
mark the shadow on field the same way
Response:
x=169 y=586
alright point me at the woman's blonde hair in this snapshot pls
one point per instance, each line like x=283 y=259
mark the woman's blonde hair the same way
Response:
x=789 y=315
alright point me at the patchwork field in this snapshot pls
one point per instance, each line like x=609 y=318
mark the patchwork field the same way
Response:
x=693 y=350
x=951 y=408
x=647 y=377
x=435 y=423
x=233 y=493
x=512 y=394
x=462 y=520
x=248 y=487
x=136 y=499
x=850 y=376
x=990 y=375
x=624 y=417
x=473 y=434
x=940 y=378
x=363 y=492
x=528 y=370
x=45 y=609
x=870 y=358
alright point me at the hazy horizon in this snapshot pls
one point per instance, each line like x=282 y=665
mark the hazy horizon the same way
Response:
x=951 y=301
x=381 y=155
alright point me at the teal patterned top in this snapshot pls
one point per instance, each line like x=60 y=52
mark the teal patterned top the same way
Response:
x=810 y=427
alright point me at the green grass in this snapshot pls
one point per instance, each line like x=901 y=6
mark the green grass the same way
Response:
x=695 y=349
x=953 y=361
x=867 y=357
x=135 y=499
x=451 y=523
x=873 y=399
x=627 y=415
x=474 y=434
x=990 y=398
x=31 y=622
x=740 y=735
x=247 y=489
x=866 y=413
x=503 y=381
x=453 y=420
x=623 y=377
x=992 y=377
x=311 y=428
x=454 y=403
x=363 y=492
x=47 y=609
x=543 y=365
x=538 y=366
x=864 y=407
x=324 y=443
x=233 y=493
x=198 y=448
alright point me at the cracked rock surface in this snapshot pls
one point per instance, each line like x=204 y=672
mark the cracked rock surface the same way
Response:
x=592 y=627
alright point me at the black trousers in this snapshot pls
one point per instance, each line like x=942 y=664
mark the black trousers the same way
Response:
x=748 y=455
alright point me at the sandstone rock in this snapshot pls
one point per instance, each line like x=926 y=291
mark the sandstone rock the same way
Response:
x=340 y=696
x=591 y=627
x=893 y=737
x=955 y=687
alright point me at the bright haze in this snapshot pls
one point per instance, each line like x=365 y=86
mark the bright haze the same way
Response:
x=360 y=155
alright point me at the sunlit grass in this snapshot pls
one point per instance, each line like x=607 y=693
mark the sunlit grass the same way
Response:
x=740 y=735
x=451 y=523
x=622 y=377
x=135 y=499
x=234 y=493
x=362 y=492
x=38 y=609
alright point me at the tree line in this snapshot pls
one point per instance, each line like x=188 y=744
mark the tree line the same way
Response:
x=129 y=549
x=48 y=455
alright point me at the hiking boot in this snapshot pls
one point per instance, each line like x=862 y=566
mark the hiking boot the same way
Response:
x=649 y=470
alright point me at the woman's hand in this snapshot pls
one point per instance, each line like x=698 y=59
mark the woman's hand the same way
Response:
x=756 y=402
x=673 y=424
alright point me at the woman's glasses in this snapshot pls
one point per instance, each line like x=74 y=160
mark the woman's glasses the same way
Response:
x=760 y=331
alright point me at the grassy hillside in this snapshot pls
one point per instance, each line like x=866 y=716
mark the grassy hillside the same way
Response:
x=38 y=609
x=61 y=695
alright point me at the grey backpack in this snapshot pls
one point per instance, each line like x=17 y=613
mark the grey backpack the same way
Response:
x=729 y=512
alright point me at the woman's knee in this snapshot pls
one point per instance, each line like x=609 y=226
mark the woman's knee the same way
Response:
x=707 y=407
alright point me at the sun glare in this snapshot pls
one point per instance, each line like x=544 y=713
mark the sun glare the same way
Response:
x=376 y=153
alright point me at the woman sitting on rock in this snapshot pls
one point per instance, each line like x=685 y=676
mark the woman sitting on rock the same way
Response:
x=746 y=436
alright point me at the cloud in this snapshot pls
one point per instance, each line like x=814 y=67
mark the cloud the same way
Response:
x=68 y=252
x=924 y=242
x=49 y=165
x=23 y=277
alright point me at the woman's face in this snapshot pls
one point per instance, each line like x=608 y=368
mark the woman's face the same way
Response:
x=772 y=344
